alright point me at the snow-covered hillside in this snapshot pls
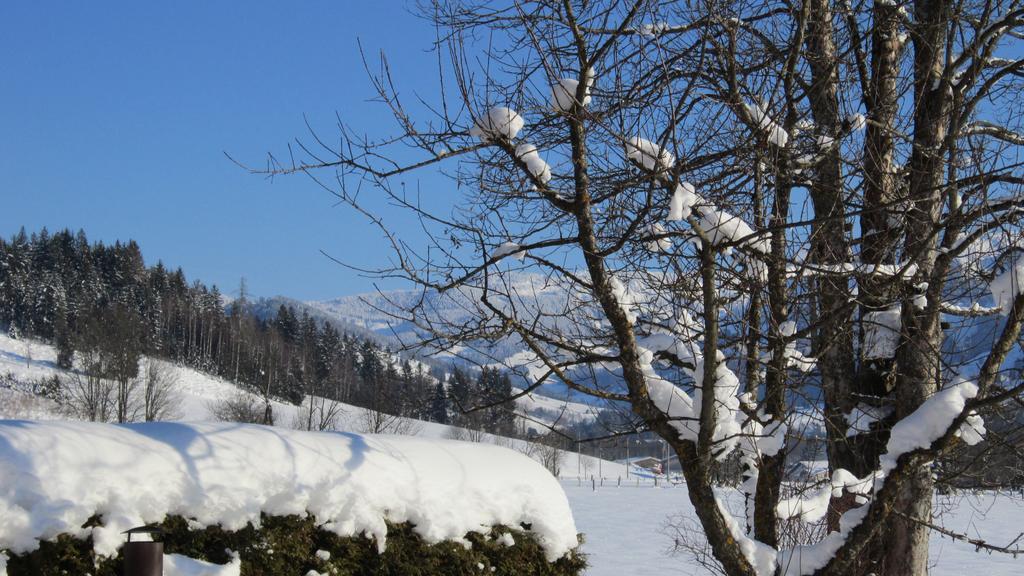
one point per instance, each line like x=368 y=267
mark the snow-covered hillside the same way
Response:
x=28 y=362
x=377 y=311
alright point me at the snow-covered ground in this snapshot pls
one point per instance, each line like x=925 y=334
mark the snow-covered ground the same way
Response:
x=626 y=530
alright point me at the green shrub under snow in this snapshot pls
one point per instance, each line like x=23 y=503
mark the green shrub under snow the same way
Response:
x=288 y=545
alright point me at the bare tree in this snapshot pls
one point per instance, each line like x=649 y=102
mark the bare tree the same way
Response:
x=374 y=421
x=160 y=398
x=713 y=213
x=239 y=407
x=90 y=397
x=466 y=434
x=318 y=413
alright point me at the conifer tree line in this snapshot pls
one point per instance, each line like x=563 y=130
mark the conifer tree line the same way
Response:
x=104 y=309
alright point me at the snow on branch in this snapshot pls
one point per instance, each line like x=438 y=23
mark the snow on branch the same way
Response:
x=981 y=128
x=649 y=155
x=499 y=122
x=1007 y=285
x=917 y=431
x=509 y=248
x=563 y=94
x=930 y=421
x=684 y=197
x=760 y=118
x=722 y=227
x=538 y=168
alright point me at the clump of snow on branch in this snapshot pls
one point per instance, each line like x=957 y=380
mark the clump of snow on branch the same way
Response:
x=725 y=389
x=860 y=419
x=794 y=357
x=58 y=475
x=972 y=431
x=626 y=301
x=882 y=333
x=499 y=122
x=813 y=507
x=1005 y=287
x=722 y=227
x=670 y=399
x=509 y=248
x=563 y=94
x=649 y=155
x=650 y=30
x=929 y=421
x=759 y=115
x=536 y=165
x=857 y=122
x=657 y=243
x=683 y=198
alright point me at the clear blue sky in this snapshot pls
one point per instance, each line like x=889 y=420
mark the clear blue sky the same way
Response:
x=114 y=117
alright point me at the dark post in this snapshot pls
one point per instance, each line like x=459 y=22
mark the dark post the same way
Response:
x=144 y=558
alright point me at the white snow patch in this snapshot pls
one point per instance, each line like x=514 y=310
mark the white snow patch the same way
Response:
x=563 y=94
x=509 y=248
x=759 y=115
x=178 y=565
x=761 y=556
x=1005 y=287
x=721 y=226
x=683 y=199
x=658 y=244
x=649 y=155
x=972 y=431
x=857 y=122
x=56 y=475
x=624 y=298
x=860 y=419
x=929 y=422
x=536 y=165
x=500 y=122
x=882 y=333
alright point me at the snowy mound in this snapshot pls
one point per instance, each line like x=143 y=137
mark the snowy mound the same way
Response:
x=54 y=476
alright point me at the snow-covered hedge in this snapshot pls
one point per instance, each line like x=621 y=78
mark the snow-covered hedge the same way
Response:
x=81 y=484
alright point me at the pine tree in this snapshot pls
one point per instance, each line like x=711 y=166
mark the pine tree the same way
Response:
x=439 y=405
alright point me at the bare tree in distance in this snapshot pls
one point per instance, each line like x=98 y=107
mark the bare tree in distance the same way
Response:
x=467 y=434
x=376 y=421
x=241 y=407
x=160 y=399
x=90 y=397
x=743 y=216
x=318 y=413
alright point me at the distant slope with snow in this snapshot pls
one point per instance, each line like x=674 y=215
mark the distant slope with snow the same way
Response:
x=27 y=363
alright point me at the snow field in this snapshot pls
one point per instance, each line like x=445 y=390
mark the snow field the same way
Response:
x=625 y=530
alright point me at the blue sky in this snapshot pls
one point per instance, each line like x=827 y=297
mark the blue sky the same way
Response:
x=114 y=118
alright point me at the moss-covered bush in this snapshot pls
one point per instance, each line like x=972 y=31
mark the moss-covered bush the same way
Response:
x=287 y=546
